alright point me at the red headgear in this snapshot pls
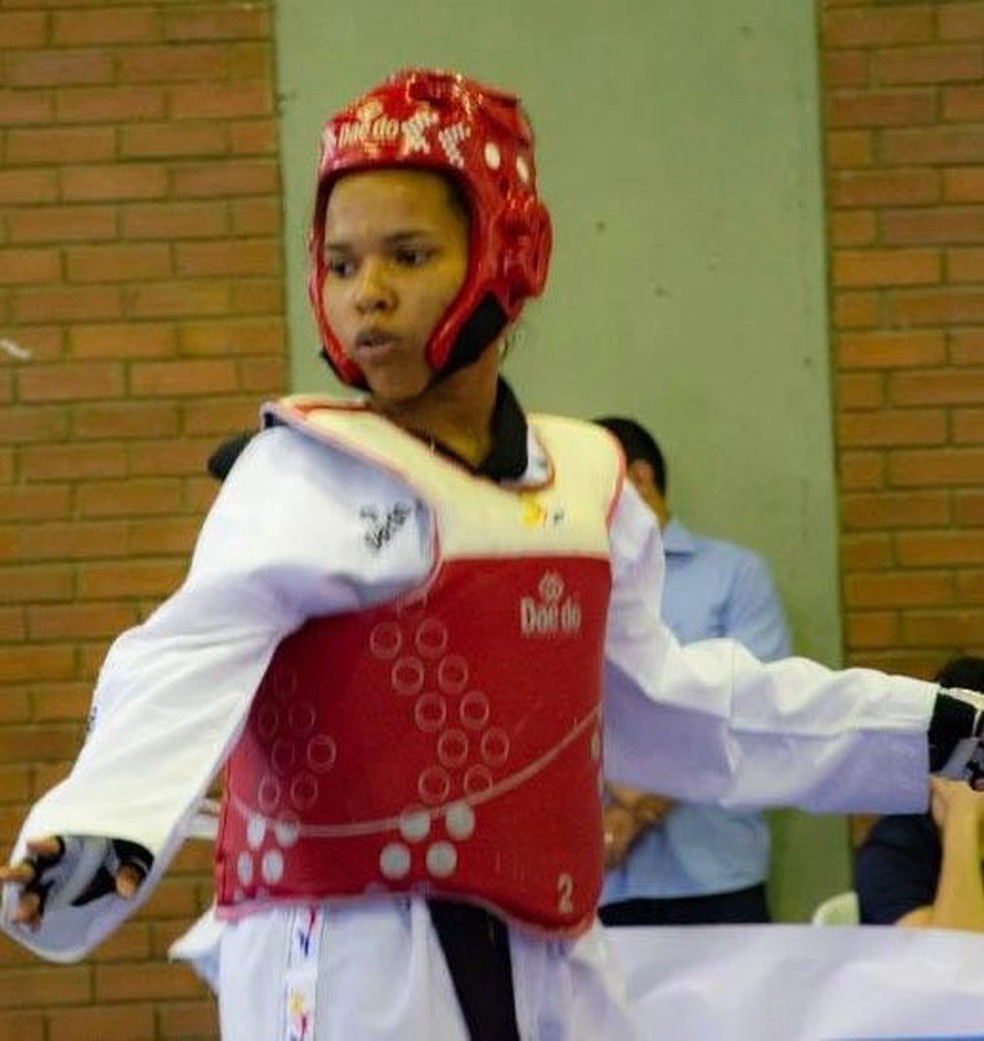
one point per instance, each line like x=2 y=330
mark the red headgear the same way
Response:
x=444 y=122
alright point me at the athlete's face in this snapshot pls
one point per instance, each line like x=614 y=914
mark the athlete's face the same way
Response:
x=396 y=250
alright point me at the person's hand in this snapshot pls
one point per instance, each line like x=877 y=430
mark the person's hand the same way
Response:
x=75 y=871
x=621 y=831
x=629 y=812
x=952 y=800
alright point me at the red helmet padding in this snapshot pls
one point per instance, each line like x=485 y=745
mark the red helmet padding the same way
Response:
x=442 y=121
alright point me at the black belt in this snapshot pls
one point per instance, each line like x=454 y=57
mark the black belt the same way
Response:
x=476 y=948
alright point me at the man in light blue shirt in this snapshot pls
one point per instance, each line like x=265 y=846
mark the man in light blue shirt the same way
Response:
x=678 y=863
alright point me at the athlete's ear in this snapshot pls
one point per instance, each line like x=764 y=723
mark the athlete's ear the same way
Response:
x=641 y=474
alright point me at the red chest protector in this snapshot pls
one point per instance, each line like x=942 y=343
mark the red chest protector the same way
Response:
x=448 y=741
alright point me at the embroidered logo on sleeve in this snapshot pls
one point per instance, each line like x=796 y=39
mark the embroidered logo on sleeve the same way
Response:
x=382 y=525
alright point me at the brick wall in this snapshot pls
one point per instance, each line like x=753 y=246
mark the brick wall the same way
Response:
x=141 y=314
x=903 y=89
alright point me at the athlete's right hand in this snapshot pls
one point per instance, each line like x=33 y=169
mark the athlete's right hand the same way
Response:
x=73 y=870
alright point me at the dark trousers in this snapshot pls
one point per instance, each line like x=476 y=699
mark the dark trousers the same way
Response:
x=476 y=948
x=741 y=906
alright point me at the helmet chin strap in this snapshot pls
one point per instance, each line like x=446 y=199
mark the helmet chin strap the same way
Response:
x=482 y=327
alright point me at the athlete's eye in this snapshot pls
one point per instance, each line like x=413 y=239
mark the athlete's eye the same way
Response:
x=413 y=256
x=340 y=267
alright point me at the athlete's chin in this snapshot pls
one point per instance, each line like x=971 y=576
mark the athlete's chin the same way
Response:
x=391 y=389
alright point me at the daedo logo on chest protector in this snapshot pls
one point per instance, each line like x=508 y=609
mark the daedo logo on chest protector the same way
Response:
x=550 y=612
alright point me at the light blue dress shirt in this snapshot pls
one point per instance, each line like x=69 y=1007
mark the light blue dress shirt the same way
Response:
x=713 y=588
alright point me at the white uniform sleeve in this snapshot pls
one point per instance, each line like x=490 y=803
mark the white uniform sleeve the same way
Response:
x=709 y=722
x=283 y=542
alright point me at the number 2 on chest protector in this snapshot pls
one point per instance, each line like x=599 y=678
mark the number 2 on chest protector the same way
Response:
x=565 y=893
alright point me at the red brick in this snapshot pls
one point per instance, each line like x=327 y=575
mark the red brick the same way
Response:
x=14 y=785
x=938 y=468
x=960 y=21
x=937 y=307
x=192 y=378
x=251 y=296
x=881 y=108
x=226 y=179
x=232 y=257
x=222 y=418
x=173 y=140
x=174 y=458
x=941 y=628
x=159 y=537
x=263 y=375
x=122 y=341
x=892 y=427
x=61 y=224
x=60 y=702
x=866 y=552
x=850 y=149
x=92 y=28
x=103 y=1022
x=932 y=145
x=68 y=304
x=71 y=381
x=30 y=745
x=119 y=182
x=79 y=621
x=132 y=942
x=175 y=299
x=174 y=220
x=188 y=1021
x=125 y=420
x=969 y=508
x=221 y=101
x=856 y=310
x=118 y=262
x=81 y=540
x=45 y=986
x=872 y=629
x=965 y=265
x=970 y=586
x=35 y=503
x=60 y=145
x=14 y=708
x=963 y=185
x=911 y=24
x=25 y=266
x=853 y=228
x=884 y=510
x=253 y=137
x=131 y=579
x=248 y=60
x=891 y=349
x=880 y=267
x=23 y=29
x=27 y=584
x=861 y=470
x=964 y=104
x=932 y=226
x=968 y=426
x=217 y=23
x=901 y=590
x=62 y=462
x=20 y=424
x=939 y=64
x=234 y=337
x=199 y=63
x=61 y=67
x=845 y=69
x=109 y=104
x=257 y=216
x=937 y=387
x=879 y=188
x=129 y=498
x=966 y=346
x=28 y=186
x=23 y=108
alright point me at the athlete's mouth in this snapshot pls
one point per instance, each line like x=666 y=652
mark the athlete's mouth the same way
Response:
x=371 y=339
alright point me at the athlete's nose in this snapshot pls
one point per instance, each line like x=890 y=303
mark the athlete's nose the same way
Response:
x=374 y=291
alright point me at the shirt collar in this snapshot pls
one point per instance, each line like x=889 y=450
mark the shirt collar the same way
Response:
x=678 y=540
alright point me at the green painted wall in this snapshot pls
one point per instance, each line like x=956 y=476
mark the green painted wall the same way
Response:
x=679 y=154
